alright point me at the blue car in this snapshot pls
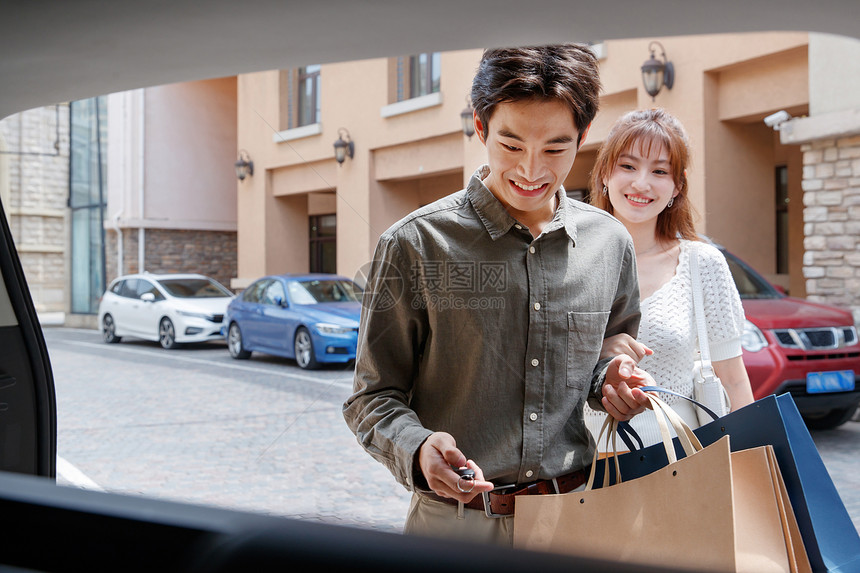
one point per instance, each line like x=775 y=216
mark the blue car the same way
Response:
x=311 y=318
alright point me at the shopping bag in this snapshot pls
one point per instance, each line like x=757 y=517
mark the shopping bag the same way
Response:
x=829 y=535
x=712 y=510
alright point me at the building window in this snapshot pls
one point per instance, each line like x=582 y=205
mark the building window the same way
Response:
x=308 y=91
x=424 y=74
x=418 y=75
x=781 y=179
x=323 y=244
x=87 y=181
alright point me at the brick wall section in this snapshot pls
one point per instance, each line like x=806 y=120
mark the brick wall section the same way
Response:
x=831 y=215
x=210 y=253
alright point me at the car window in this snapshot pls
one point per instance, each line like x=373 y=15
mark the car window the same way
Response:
x=145 y=286
x=319 y=291
x=750 y=284
x=274 y=293
x=194 y=288
x=299 y=294
x=254 y=292
x=116 y=287
x=129 y=288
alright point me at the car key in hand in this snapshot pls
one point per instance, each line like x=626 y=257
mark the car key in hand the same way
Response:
x=465 y=473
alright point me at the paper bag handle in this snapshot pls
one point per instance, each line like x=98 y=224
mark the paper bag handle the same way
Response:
x=688 y=439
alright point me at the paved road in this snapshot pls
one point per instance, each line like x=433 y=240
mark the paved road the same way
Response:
x=260 y=435
x=196 y=426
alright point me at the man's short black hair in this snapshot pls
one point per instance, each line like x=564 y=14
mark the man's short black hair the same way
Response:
x=565 y=72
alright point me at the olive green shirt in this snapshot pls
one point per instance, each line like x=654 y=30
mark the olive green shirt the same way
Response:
x=473 y=327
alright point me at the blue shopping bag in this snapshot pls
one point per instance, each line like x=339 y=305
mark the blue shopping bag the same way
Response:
x=830 y=537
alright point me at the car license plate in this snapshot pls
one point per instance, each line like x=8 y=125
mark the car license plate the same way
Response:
x=837 y=381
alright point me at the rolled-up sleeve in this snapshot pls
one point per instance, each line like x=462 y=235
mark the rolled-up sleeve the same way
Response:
x=391 y=335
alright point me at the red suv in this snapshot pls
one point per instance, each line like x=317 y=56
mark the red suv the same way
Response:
x=792 y=345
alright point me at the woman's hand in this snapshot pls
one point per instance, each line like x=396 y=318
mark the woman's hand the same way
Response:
x=622 y=398
x=624 y=344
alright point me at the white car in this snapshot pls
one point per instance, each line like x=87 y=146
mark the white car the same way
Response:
x=170 y=309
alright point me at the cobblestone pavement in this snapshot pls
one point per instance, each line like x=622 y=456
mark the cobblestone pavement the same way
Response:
x=260 y=435
x=196 y=426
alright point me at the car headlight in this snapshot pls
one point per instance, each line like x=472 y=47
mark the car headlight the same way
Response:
x=752 y=339
x=326 y=328
x=195 y=314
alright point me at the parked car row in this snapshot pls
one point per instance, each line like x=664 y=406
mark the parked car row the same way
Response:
x=789 y=344
x=311 y=318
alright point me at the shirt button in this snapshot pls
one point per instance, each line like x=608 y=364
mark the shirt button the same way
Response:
x=535 y=361
x=518 y=226
x=529 y=474
x=532 y=416
x=532 y=250
x=537 y=306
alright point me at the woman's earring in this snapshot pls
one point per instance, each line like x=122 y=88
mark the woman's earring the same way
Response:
x=669 y=204
x=605 y=190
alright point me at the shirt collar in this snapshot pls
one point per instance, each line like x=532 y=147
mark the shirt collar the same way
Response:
x=496 y=219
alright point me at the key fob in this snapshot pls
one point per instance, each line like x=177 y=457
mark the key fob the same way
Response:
x=465 y=473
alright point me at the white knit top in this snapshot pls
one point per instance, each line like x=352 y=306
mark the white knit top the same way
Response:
x=668 y=328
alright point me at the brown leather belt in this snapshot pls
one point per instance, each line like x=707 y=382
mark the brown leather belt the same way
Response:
x=500 y=501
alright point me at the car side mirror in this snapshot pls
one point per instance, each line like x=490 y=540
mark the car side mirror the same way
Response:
x=147 y=297
x=282 y=302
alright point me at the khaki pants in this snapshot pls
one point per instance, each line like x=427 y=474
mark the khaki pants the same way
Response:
x=432 y=518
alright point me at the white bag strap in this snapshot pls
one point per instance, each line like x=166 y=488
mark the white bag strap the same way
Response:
x=699 y=315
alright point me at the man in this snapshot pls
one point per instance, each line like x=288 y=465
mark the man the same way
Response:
x=485 y=312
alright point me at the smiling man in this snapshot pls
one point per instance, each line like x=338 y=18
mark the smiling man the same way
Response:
x=485 y=312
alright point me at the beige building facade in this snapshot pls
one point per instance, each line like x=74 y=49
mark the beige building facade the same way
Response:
x=171 y=195
x=163 y=200
x=786 y=200
x=746 y=183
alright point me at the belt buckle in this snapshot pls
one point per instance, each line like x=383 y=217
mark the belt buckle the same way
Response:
x=486 y=495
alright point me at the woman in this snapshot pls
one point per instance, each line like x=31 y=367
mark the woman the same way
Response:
x=640 y=177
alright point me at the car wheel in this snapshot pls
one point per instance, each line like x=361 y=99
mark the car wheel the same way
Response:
x=304 y=347
x=109 y=330
x=830 y=420
x=167 y=334
x=234 y=343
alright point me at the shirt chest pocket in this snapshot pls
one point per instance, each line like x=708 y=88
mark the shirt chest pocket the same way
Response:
x=585 y=332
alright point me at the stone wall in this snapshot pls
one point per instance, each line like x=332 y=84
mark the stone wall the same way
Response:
x=831 y=215
x=35 y=189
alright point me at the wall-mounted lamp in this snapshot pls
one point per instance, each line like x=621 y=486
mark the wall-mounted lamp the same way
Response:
x=343 y=148
x=467 y=119
x=656 y=74
x=244 y=165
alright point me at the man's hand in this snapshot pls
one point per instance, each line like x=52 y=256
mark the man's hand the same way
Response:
x=622 y=398
x=624 y=344
x=437 y=454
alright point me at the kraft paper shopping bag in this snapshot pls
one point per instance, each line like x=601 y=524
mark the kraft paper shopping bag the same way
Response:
x=712 y=510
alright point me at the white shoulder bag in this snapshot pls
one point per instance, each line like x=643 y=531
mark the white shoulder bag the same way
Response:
x=707 y=388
